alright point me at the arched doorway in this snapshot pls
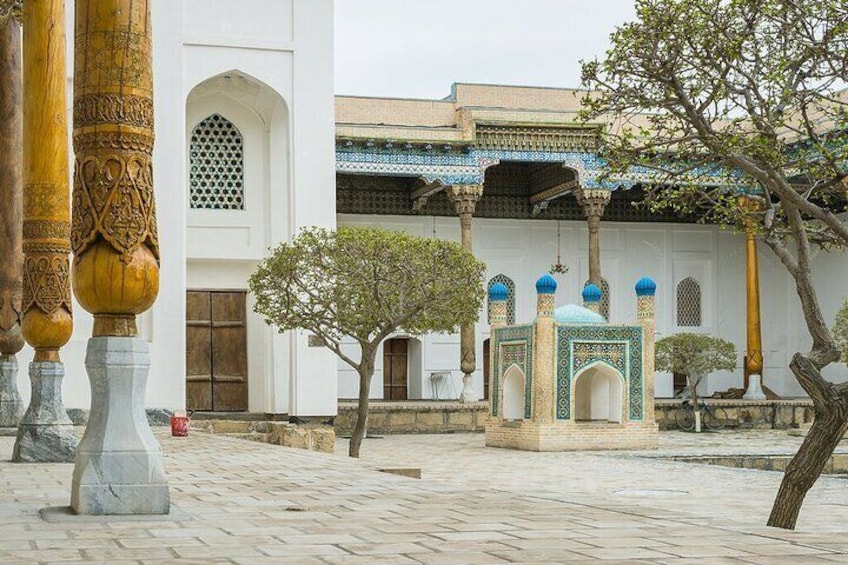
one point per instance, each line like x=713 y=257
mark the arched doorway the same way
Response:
x=513 y=394
x=599 y=395
x=396 y=369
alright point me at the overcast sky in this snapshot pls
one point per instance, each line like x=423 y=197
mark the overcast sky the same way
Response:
x=418 y=48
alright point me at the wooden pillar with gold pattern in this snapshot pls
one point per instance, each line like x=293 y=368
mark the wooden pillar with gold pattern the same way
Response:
x=45 y=433
x=119 y=467
x=754 y=353
x=464 y=198
x=11 y=254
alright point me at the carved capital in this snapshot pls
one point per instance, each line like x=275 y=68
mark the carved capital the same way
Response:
x=10 y=9
x=593 y=202
x=464 y=198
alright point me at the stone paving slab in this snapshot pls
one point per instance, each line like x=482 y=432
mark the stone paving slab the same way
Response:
x=252 y=503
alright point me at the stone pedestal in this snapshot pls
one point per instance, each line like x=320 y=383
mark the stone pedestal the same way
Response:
x=118 y=467
x=46 y=434
x=11 y=405
x=755 y=389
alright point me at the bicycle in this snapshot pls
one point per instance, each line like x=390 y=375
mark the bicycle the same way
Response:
x=713 y=418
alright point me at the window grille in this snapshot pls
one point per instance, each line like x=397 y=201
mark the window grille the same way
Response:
x=604 y=307
x=216 y=161
x=510 y=297
x=689 y=303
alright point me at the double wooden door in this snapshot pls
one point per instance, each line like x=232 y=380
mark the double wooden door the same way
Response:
x=395 y=369
x=216 y=351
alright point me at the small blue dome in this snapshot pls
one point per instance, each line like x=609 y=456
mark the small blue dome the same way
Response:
x=646 y=287
x=546 y=285
x=574 y=315
x=498 y=293
x=591 y=293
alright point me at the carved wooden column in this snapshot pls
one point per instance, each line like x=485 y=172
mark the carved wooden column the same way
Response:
x=119 y=467
x=754 y=354
x=11 y=256
x=594 y=202
x=464 y=198
x=45 y=432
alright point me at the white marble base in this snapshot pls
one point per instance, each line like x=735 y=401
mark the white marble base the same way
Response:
x=118 y=468
x=45 y=434
x=755 y=389
x=11 y=405
x=468 y=394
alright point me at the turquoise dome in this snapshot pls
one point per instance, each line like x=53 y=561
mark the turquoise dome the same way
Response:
x=498 y=293
x=591 y=293
x=646 y=287
x=574 y=315
x=546 y=285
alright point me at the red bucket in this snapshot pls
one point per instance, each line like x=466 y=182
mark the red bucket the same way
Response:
x=180 y=423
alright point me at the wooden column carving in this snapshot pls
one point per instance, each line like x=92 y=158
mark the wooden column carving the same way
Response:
x=464 y=198
x=594 y=202
x=47 y=320
x=11 y=210
x=114 y=236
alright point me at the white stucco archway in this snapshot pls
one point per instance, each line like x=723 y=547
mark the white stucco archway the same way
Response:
x=513 y=394
x=599 y=394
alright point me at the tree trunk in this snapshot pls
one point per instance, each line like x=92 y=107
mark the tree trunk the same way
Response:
x=831 y=421
x=366 y=371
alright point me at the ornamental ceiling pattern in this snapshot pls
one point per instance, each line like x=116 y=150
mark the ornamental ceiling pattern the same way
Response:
x=385 y=195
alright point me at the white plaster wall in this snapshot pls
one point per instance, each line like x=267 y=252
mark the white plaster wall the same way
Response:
x=525 y=249
x=287 y=46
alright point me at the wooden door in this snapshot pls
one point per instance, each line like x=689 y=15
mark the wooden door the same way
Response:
x=486 y=368
x=216 y=351
x=395 y=363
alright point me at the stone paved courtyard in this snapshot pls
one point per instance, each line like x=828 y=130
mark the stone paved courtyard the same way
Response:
x=246 y=502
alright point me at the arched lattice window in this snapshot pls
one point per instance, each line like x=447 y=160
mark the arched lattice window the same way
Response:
x=689 y=303
x=510 y=297
x=216 y=165
x=605 y=298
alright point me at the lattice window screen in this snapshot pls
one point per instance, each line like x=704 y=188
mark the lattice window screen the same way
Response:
x=689 y=303
x=216 y=160
x=510 y=299
x=605 y=298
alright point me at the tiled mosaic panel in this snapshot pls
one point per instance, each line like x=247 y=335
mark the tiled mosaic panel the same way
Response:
x=502 y=341
x=689 y=303
x=619 y=346
x=216 y=165
x=510 y=297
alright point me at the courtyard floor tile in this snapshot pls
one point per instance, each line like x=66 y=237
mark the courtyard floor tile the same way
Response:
x=252 y=503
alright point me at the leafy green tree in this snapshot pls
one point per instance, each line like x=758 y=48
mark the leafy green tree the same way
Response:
x=363 y=284
x=696 y=356
x=747 y=91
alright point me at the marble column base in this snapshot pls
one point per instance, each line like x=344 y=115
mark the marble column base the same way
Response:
x=755 y=388
x=45 y=434
x=118 y=468
x=467 y=395
x=11 y=405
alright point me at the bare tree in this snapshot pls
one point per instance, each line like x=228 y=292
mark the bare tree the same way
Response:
x=713 y=99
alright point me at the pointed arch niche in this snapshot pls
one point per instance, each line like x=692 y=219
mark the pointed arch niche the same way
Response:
x=599 y=394
x=513 y=394
x=238 y=174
